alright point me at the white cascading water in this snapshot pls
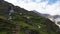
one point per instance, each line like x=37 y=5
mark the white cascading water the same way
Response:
x=10 y=13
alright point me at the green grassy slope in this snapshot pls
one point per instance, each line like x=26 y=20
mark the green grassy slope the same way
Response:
x=27 y=19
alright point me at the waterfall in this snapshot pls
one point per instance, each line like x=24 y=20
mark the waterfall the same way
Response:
x=10 y=14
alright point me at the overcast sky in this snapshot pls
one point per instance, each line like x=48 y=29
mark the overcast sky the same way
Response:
x=51 y=7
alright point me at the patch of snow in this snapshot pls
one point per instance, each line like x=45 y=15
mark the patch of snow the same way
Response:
x=20 y=13
x=56 y=20
x=28 y=17
x=39 y=26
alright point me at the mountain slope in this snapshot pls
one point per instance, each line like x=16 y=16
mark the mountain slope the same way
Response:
x=23 y=21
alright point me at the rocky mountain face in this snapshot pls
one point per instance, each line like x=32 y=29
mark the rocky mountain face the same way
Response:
x=53 y=18
x=16 y=20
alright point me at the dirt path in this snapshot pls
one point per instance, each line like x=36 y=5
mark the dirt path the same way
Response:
x=16 y=30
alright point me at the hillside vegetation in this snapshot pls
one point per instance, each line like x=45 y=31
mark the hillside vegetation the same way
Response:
x=24 y=22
